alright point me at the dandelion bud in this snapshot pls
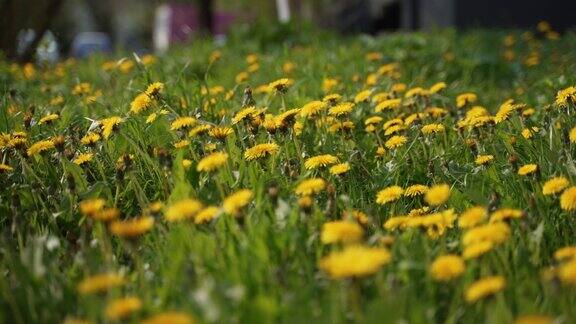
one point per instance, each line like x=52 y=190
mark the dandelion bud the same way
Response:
x=248 y=100
x=27 y=120
x=513 y=160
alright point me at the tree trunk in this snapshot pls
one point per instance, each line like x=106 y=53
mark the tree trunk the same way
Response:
x=206 y=16
x=17 y=15
x=8 y=28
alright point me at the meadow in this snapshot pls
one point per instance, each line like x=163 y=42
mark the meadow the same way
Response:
x=294 y=176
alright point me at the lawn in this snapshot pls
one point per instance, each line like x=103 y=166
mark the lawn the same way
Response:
x=294 y=176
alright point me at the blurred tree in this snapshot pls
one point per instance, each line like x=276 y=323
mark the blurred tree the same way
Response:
x=206 y=16
x=17 y=15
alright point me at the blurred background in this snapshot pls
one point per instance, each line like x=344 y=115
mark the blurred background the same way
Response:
x=48 y=30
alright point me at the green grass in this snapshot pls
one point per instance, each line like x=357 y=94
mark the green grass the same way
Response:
x=263 y=265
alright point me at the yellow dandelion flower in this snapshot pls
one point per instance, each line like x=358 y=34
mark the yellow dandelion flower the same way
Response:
x=396 y=222
x=182 y=122
x=565 y=253
x=181 y=144
x=58 y=100
x=121 y=308
x=398 y=87
x=5 y=168
x=415 y=92
x=90 y=138
x=392 y=122
x=234 y=203
x=534 y=319
x=83 y=158
x=572 y=135
x=206 y=215
x=281 y=85
x=40 y=147
x=220 y=132
x=82 y=88
x=200 y=130
x=328 y=84
x=106 y=214
x=465 y=98
x=108 y=125
x=567 y=273
x=395 y=141
x=527 y=169
x=154 y=89
x=91 y=206
x=48 y=119
x=505 y=110
x=140 y=103
x=341 y=232
x=503 y=214
x=310 y=187
x=389 y=194
x=472 y=217
x=169 y=318
x=432 y=129
x=566 y=96
x=126 y=66
x=148 y=59
x=100 y=283
x=212 y=162
x=437 y=194
x=182 y=210
x=354 y=261
x=437 y=87
x=388 y=104
x=436 y=112
x=320 y=161
x=555 y=185
x=186 y=164
x=339 y=169
x=332 y=98
x=132 y=227
x=242 y=77
x=394 y=129
x=447 y=267
x=286 y=118
x=373 y=56
x=494 y=232
x=260 y=151
x=528 y=112
x=356 y=215
x=484 y=159
x=312 y=108
x=415 y=190
x=528 y=133
x=568 y=199
x=362 y=96
x=484 y=288
x=477 y=249
x=419 y=211
x=341 y=109
x=245 y=114
x=373 y=120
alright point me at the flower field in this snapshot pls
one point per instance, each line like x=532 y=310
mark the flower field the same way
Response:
x=414 y=178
